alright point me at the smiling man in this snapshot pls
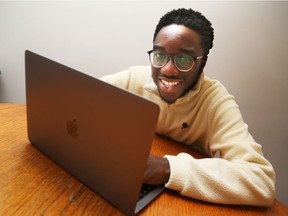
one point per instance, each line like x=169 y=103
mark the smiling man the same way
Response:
x=177 y=76
x=199 y=112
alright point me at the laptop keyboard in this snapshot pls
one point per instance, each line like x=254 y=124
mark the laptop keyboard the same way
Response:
x=145 y=189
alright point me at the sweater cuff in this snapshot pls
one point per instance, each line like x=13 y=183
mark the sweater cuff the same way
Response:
x=177 y=172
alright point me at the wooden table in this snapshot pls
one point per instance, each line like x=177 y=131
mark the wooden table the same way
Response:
x=32 y=184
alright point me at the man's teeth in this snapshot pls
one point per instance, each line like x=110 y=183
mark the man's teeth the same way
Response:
x=169 y=83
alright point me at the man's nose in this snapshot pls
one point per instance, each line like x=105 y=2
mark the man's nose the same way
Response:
x=170 y=69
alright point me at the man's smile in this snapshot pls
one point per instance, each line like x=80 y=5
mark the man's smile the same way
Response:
x=169 y=86
x=172 y=82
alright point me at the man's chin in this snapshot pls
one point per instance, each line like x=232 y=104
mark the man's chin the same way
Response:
x=168 y=98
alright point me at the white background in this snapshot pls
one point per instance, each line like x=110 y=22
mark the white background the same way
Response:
x=250 y=53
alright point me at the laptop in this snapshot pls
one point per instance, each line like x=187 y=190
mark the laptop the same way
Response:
x=98 y=132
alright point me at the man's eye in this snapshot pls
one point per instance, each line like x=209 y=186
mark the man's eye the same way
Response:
x=184 y=58
x=160 y=56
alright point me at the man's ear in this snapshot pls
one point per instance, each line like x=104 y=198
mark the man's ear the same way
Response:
x=203 y=63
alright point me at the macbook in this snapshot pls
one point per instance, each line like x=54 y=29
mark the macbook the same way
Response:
x=98 y=132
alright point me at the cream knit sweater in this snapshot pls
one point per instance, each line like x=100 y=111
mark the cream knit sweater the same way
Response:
x=207 y=118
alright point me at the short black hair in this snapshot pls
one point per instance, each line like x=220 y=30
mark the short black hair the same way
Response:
x=190 y=19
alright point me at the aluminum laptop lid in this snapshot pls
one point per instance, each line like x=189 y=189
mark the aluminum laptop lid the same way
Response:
x=99 y=133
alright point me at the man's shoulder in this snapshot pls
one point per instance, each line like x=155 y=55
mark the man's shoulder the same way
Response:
x=140 y=70
x=140 y=74
x=216 y=93
x=130 y=78
x=214 y=84
x=136 y=72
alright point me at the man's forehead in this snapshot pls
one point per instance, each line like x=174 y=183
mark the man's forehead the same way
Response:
x=173 y=29
x=187 y=40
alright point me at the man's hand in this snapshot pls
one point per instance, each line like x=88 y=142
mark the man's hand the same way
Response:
x=157 y=171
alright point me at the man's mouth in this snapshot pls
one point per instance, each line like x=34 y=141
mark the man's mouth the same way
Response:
x=169 y=84
x=169 y=89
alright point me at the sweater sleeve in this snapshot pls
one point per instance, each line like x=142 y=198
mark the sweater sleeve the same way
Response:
x=120 y=79
x=131 y=79
x=240 y=176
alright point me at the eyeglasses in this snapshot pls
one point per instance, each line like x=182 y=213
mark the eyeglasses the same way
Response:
x=182 y=62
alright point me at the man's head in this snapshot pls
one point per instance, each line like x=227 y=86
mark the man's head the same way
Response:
x=193 y=20
x=181 y=43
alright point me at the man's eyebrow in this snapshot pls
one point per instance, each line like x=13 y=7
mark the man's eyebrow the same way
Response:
x=158 y=47
x=187 y=50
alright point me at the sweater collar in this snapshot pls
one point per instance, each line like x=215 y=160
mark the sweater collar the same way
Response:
x=151 y=87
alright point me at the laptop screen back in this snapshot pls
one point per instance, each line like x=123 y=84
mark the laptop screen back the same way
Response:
x=99 y=133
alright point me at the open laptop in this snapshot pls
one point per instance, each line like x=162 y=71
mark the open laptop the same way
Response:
x=99 y=133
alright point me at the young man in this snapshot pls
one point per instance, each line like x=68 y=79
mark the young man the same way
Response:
x=199 y=112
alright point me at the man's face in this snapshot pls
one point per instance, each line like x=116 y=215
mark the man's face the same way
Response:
x=172 y=40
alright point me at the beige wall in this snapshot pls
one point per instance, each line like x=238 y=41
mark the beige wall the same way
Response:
x=249 y=56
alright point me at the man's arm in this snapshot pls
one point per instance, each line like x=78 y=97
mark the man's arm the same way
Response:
x=240 y=176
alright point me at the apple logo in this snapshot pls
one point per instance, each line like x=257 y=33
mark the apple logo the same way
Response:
x=72 y=128
x=184 y=125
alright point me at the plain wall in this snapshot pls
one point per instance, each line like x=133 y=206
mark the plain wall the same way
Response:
x=249 y=55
